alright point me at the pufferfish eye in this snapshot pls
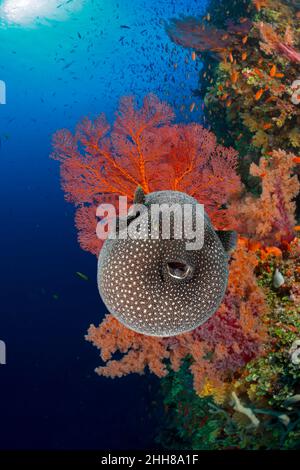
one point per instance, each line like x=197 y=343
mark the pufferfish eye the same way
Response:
x=179 y=270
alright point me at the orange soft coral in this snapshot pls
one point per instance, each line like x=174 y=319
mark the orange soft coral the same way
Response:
x=259 y=4
x=232 y=337
x=143 y=148
x=271 y=217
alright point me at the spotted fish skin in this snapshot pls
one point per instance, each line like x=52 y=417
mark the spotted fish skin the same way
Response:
x=158 y=287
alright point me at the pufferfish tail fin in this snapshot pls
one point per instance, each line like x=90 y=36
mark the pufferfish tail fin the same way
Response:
x=228 y=239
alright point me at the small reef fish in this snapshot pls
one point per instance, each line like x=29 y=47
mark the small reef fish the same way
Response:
x=271 y=98
x=82 y=276
x=234 y=76
x=259 y=94
x=155 y=286
x=273 y=71
x=258 y=72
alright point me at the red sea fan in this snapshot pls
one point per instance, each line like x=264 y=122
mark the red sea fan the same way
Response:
x=193 y=33
x=144 y=148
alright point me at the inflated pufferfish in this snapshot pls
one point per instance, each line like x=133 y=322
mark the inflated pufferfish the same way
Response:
x=156 y=286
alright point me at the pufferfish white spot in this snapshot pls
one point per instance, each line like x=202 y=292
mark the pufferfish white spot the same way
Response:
x=156 y=286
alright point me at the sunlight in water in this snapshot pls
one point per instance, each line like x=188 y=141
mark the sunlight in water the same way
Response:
x=26 y=12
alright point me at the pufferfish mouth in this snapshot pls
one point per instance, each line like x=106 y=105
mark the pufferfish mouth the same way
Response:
x=179 y=270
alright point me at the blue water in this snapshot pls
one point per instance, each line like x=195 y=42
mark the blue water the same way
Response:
x=57 y=71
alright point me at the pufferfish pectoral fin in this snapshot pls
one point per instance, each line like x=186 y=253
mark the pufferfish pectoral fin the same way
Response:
x=228 y=239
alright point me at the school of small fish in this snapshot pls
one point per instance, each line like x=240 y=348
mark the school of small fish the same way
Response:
x=120 y=58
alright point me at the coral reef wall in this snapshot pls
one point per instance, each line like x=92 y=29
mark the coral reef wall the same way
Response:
x=252 y=84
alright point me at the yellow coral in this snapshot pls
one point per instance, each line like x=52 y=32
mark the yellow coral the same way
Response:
x=218 y=393
x=252 y=392
x=250 y=122
x=294 y=137
x=260 y=139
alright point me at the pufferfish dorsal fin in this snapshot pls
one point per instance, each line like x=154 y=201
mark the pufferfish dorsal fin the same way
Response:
x=228 y=239
x=139 y=196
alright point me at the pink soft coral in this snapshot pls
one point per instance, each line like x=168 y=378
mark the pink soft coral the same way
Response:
x=270 y=219
x=272 y=43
